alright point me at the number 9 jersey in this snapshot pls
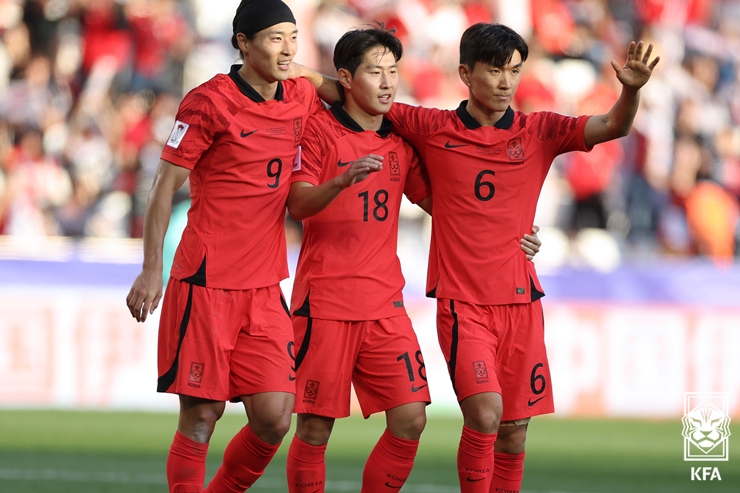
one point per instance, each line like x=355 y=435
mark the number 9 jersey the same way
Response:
x=348 y=268
x=239 y=149
x=485 y=181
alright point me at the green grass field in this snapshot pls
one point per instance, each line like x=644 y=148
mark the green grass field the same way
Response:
x=85 y=452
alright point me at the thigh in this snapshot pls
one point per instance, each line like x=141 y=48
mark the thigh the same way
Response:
x=324 y=360
x=469 y=342
x=261 y=357
x=524 y=371
x=390 y=370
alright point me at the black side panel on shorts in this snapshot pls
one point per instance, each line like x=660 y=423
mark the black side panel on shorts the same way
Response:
x=304 y=345
x=199 y=278
x=165 y=381
x=285 y=305
x=305 y=309
x=536 y=293
x=453 y=346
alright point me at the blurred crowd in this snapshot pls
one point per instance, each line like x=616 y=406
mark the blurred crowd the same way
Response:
x=89 y=90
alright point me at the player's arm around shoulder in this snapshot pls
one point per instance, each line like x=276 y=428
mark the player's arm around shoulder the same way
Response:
x=146 y=291
x=634 y=74
x=306 y=199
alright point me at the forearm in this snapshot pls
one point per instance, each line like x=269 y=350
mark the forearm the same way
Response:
x=306 y=201
x=327 y=87
x=156 y=221
x=622 y=114
x=617 y=122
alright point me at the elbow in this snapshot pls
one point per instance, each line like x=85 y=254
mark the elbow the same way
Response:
x=296 y=212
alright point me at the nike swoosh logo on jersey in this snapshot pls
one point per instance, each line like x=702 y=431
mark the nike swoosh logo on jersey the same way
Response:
x=394 y=487
x=291 y=377
x=342 y=165
x=474 y=480
x=531 y=402
x=247 y=134
x=454 y=146
x=416 y=389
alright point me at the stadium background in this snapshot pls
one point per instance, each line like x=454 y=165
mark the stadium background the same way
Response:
x=640 y=255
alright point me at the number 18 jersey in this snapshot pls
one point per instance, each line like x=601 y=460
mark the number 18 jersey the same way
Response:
x=348 y=268
x=485 y=182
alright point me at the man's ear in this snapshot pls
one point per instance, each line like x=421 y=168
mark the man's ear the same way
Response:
x=241 y=40
x=345 y=78
x=464 y=72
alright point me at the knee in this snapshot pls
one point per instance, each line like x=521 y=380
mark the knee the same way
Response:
x=314 y=431
x=273 y=428
x=199 y=422
x=482 y=418
x=407 y=421
x=410 y=427
x=511 y=439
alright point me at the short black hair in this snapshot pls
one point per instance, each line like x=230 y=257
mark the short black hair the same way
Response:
x=352 y=46
x=493 y=44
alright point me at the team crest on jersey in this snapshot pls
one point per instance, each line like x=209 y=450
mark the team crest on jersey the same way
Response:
x=196 y=372
x=481 y=371
x=515 y=150
x=395 y=166
x=178 y=132
x=311 y=391
x=297 y=129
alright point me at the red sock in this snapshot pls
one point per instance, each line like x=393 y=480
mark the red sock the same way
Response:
x=389 y=464
x=508 y=471
x=186 y=465
x=474 y=464
x=245 y=459
x=306 y=467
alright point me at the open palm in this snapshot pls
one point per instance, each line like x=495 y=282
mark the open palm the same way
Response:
x=636 y=70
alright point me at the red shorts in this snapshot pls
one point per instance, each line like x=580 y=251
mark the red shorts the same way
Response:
x=380 y=357
x=497 y=348
x=221 y=344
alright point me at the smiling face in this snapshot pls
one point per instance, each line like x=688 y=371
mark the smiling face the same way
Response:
x=271 y=51
x=492 y=88
x=373 y=86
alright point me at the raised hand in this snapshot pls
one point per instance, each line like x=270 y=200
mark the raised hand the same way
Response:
x=636 y=71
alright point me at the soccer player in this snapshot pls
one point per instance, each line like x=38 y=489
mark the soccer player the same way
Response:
x=486 y=165
x=348 y=313
x=225 y=331
x=489 y=314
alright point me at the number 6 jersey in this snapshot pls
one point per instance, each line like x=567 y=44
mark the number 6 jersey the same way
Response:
x=348 y=268
x=485 y=181
x=240 y=150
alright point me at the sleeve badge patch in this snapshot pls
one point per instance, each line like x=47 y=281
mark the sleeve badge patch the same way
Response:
x=178 y=132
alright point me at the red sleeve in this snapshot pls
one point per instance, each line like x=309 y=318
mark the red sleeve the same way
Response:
x=311 y=146
x=197 y=124
x=415 y=123
x=417 y=182
x=561 y=133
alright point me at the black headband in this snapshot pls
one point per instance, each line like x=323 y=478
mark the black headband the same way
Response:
x=252 y=16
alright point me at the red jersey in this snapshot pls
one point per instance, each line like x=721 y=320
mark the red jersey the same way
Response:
x=348 y=268
x=240 y=149
x=485 y=181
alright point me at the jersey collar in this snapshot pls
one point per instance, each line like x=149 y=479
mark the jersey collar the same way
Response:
x=343 y=117
x=248 y=90
x=471 y=123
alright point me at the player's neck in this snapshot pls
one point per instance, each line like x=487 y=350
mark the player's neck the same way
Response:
x=361 y=117
x=266 y=89
x=485 y=116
